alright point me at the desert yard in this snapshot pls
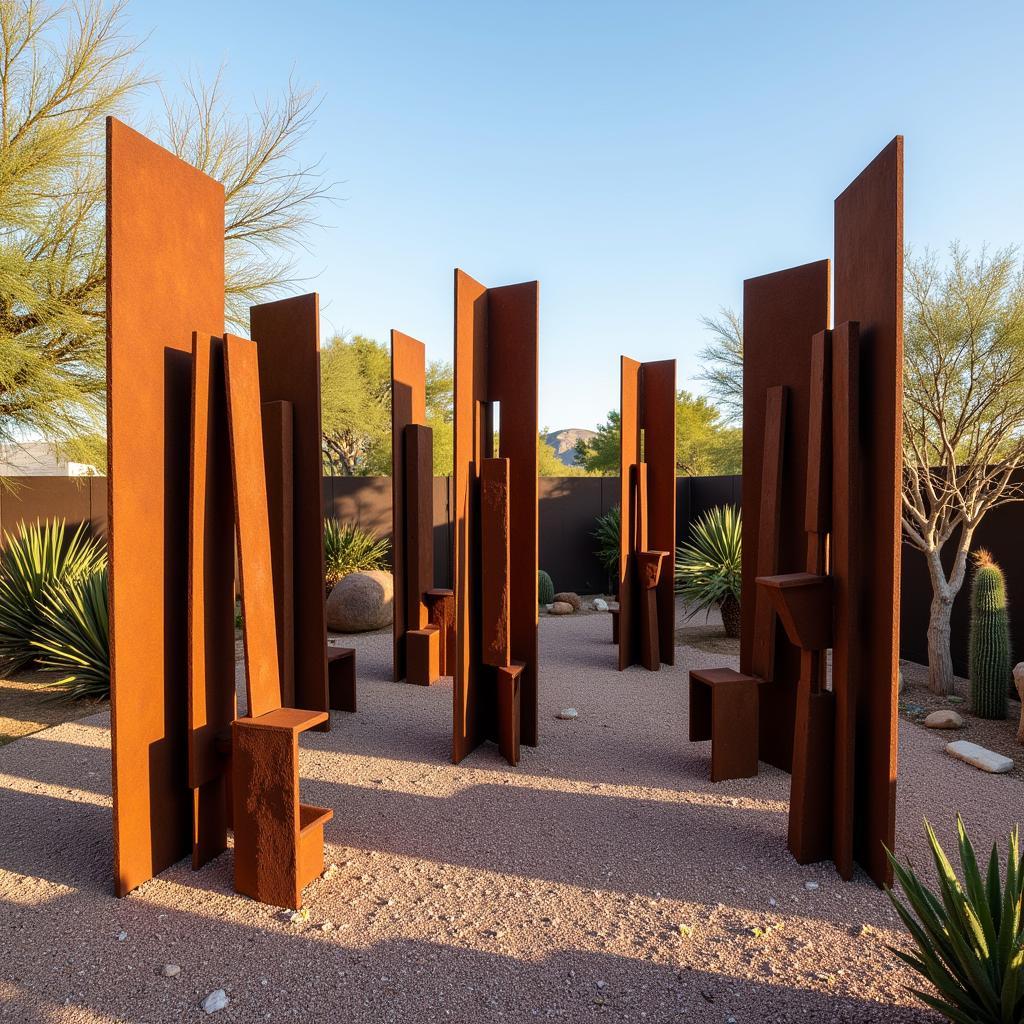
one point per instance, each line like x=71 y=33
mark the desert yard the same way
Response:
x=605 y=876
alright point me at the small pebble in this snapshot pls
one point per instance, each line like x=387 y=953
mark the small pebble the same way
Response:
x=121 y=936
x=170 y=970
x=568 y=713
x=811 y=886
x=215 y=1001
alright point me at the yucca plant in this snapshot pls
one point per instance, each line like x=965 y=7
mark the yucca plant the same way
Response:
x=709 y=567
x=73 y=636
x=969 y=938
x=38 y=558
x=609 y=528
x=349 y=548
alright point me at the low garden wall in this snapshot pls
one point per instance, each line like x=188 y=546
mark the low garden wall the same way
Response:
x=568 y=508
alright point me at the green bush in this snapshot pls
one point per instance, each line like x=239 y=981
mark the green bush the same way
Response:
x=609 y=527
x=545 y=588
x=990 y=668
x=709 y=568
x=73 y=636
x=39 y=559
x=970 y=943
x=349 y=548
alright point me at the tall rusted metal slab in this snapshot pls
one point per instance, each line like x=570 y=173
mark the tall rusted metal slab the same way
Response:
x=287 y=337
x=408 y=407
x=647 y=478
x=781 y=314
x=869 y=290
x=165 y=280
x=495 y=361
x=211 y=602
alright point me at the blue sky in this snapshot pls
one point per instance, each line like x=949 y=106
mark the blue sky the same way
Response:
x=639 y=159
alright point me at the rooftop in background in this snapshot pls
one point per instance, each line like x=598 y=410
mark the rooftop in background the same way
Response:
x=38 y=458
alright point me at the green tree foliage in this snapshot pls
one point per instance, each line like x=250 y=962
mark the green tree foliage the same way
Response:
x=548 y=462
x=355 y=390
x=63 y=69
x=705 y=445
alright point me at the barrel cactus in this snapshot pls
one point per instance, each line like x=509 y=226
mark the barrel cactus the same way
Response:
x=990 y=639
x=545 y=588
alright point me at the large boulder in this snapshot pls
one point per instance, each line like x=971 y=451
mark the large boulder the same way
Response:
x=568 y=597
x=360 y=602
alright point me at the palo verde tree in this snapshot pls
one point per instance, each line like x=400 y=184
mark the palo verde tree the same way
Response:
x=963 y=412
x=63 y=68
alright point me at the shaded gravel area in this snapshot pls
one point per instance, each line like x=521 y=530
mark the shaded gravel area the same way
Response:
x=605 y=878
x=33 y=700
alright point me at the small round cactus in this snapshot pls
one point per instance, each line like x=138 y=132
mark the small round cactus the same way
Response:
x=990 y=669
x=545 y=588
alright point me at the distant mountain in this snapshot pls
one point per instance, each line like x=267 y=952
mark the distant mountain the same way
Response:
x=564 y=442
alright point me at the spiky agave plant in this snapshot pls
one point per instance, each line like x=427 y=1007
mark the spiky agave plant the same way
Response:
x=709 y=567
x=349 y=548
x=73 y=635
x=609 y=528
x=969 y=938
x=37 y=558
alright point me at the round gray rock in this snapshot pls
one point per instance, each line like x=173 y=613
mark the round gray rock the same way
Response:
x=561 y=608
x=362 y=601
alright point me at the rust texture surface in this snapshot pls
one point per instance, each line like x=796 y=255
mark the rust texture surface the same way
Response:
x=495 y=362
x=408 y=407
x=211 y=601
x=278 y=451
x=781 y=314
x=287 y=337
x=495 y=558
x=647 y=464
x=255 y=569
x=165 y=261
x=869 y=290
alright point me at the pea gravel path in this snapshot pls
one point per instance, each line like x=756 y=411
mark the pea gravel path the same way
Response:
x=605 y=878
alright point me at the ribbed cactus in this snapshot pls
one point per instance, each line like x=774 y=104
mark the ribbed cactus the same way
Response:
x=990 y=639
x=545 y=588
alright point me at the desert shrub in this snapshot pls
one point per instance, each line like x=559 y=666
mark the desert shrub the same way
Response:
x=990 y=666
x=609 y=526
x=73 y=635
x=545 y=588
x=349 y=548
x=968 y=934
x=709 y=567
x=39 y=559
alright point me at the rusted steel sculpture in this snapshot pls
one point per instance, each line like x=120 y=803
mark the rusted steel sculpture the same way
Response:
x=822 y=477
x=423 y=623
x=185 y=427
x=495 y=681
x=645 y=624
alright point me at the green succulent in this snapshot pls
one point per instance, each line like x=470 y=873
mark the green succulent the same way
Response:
x=349 y=548
x=709 y=567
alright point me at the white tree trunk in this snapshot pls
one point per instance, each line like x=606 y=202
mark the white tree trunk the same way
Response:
x=940 y=660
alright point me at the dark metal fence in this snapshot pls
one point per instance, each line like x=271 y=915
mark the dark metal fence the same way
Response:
x=569 y=507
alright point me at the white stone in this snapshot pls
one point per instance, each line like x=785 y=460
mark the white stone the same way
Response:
x=568 y=713
x=600 y=604
x=170 y=970
x=215 y=1001
x=810 y=886
x=986 y=760
x=944 y=720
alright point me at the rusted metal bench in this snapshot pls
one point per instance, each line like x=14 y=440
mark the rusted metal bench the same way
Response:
x=723 y=709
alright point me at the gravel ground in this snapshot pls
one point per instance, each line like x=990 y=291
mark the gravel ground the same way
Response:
x=603 y=877
x=29 y=702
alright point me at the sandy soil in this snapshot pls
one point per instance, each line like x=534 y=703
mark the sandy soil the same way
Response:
x=28 y=704
x=604 y=877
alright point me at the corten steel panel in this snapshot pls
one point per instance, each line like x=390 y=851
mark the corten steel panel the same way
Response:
x=408 y=406
x=287 y=337
x=495 y=562
x=495 y=361
x=629 y=461
x=278 y=452
x=165 y=279
x=781 y=314
x=869 y=290
x=211 y=602
x=255 y=569
x=418 y=568
x=512 y=321
x=659 y=425
x=472 y=444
